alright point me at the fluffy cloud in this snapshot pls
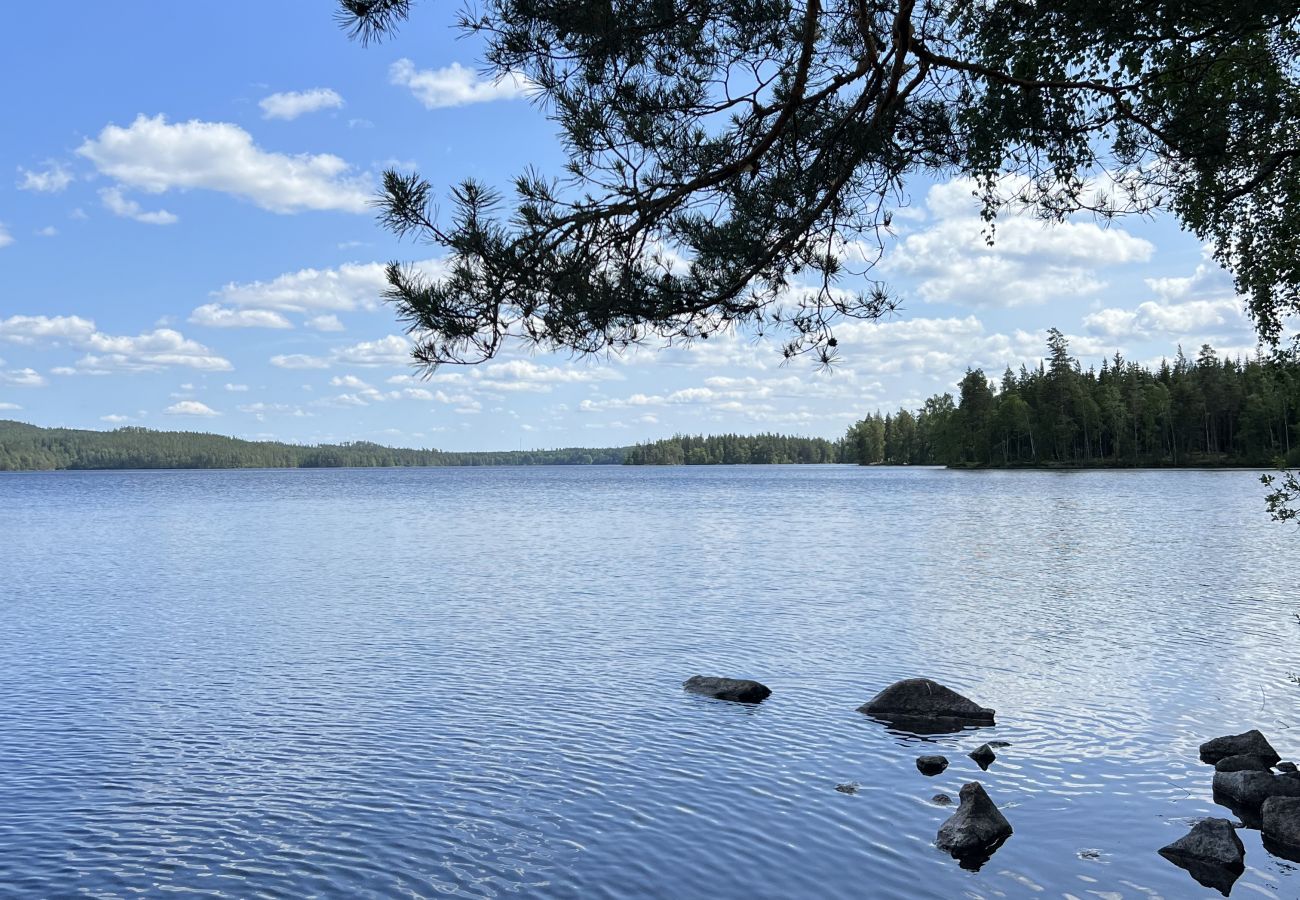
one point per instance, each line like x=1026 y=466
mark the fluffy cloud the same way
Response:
x=119 y=205
x=527 y=376
x=9 y=406
x=22 y=378
x=454 y=85
x=158 y=349
x=1030 y=262
x=53 y=179
x=299 y=361
x=292 y=104
x=115 y=418
x=350 y=286
x=190 y=408
x=5 y=237
x=213 y=315
x=155 y=156
x=324 y=323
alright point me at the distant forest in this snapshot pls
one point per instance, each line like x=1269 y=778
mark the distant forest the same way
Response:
x=26 y=447
x=734 y=449
x=1203 y=412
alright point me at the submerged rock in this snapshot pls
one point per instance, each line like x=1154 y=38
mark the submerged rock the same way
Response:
x=925 y=707
x=976 y=829
x=931 y=765
x=1281 y=827
x=941 y=800
x=1247 y=790
x=1211 y=853
x=1242 y=763
x=849 y=787
x=1248 y=743
x=983 y=756
x=1288 y=767
x=742 y=690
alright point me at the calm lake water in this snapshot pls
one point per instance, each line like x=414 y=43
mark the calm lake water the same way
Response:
x=412 y=683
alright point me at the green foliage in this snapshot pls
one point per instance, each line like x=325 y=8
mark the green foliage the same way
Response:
x=1209 y=412
x=27 y=447
x=723 y=154
x=1284 y=497
x=733 y=449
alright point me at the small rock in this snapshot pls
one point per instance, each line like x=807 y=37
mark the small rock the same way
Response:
x=977 y=828
x=931 y=765
x=849 y=787
x=1287 y=767
x=941 y=800
x=1242 y=763
x=742 y=690
x=925 y=707
x=1248 y=743
x=1089 y=854
x=1247 y=790
x=998 y=745
x=1211 y=852
x=983 y=756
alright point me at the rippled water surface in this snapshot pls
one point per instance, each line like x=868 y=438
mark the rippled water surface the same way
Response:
x=387 y=683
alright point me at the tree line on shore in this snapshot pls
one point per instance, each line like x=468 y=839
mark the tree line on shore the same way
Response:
x=1206 y=411
x=28 y=447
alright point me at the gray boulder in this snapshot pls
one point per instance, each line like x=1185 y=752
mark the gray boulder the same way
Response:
x=1281 y=826
x=941 y=800
x=741 y=690
x=1242 y=763
x=1247 y=790
x=1287 y=767
x=931 y=765
x=925 y=707
x=1211 y=853
x=1248 y=743
x=983 y=756
x=977 y=828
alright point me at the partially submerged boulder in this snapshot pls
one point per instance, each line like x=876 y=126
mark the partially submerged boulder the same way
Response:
x=741 y=690
x=1242 y=762
x=1245 y=791
x=1281 y=827
x=925 y=707
x=977 y=828
x=1211 y=853
x=1288 y=767
x=1248 y=743
x=941 y=800
x=983 y=756
x=931 y=765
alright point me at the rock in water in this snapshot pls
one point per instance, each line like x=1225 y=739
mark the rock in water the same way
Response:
x=1287 y=767
x=741 y=690
x=1281 y=827
x=848 y=787
x=1242 y=763
x=977 y=828
x=931 y=765
x=1248 y=743
x=1211 y=852
x=941 y=800
x=925 y=707
x=1246 y=791
x=983 y=756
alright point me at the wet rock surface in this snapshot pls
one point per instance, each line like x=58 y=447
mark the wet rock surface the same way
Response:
x=923 y=706
x=983 y=756
x=976 y=829
x=1211 y=853
x=1248 y=743
x=740 y=690
x=1242 y=763
x=932 y=764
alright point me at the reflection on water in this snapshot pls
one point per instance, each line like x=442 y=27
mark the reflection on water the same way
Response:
x=411 y=683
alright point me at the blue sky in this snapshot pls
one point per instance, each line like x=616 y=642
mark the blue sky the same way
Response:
x=186 y=243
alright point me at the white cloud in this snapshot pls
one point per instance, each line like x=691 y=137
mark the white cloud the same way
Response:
x=10 y=406
x=292 y=104
x=1029 y=263
x=53 y=179
x=350 y=286
x=190 y=408
x=214 y=315
x=524 y=375
x=115 y=418
x=299 y=361
x=237 y=387
x=47 y=231
x=349 y=381
x=393 y=350
x=22 y=378
x=324 y=323
x=118 y=205
x=454 y=85
x=5 y=237
x=32 y=329
x=155 y=156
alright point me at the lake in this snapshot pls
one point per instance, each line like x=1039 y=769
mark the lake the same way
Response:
x=467 y=682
